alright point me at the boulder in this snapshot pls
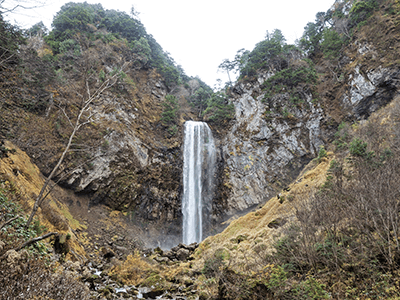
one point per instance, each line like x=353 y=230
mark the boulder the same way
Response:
x=182 y=254
x=169 y=254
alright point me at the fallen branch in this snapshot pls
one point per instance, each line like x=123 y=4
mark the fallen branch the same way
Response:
x=7 y=222
x=34 y=240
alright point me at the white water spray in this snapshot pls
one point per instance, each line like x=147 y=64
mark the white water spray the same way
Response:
x=198 y=174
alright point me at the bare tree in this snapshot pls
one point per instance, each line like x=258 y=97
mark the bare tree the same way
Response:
x=11 y=6
x=227 y=66
x=84 y=117
x=342 y=26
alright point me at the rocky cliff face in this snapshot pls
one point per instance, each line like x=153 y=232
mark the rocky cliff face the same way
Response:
x=133 y=164
x=264 y=150
x=124 y=158
x=263 y=153
x=137 y=169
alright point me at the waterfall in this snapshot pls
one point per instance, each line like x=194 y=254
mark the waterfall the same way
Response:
x=198 y=174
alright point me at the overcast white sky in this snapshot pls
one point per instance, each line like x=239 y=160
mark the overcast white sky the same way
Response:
x=199 y=35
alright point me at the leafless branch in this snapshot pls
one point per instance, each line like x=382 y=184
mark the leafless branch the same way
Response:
x=35 y=240
x=78 y=124
x=8 y=222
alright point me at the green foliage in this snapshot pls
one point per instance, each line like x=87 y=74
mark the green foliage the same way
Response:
x=102 y=75
x=313 y=32
x=213 y=106
x=342 y=136
x=169 y=115
x=69 y=45
x=169 y=72
x=16 y=231
x=120 y=23
x=80 y=21
x=265 y=55
x=318 y=36
x=358 y=148
x=73 y=19
x=142 y=49
x=285 y=247
x=37 y=29
x=173 y=129
x=321 y=153
x=142 y=43
x=200 y=96
x=106 y=38
x=311 y=38
x=361 y=11
x=198 y=99
x=214 y=265
x=10 y=39
x=240 y=61
x=219 y=108
x=285 y=112
x=287 y=81
x=171 y=107
x=310 y=289
x=331 y=44
x=277 y=279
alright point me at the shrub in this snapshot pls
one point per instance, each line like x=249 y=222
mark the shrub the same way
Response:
x=310 y=289
x=69 y=45
x=10 y=40
x=290 y=80
x=15 y=233
x=277 y=278
x=213 y=266
x=321 y=153
x=169 y=114
x=171 y=107
x=361 y=11
x=219 y=108
x=331 y=44
x=266 y=55
x=342 y=136
x=30 y=278
x=102 y=75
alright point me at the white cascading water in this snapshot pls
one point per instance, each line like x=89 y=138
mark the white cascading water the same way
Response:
x=198 y=173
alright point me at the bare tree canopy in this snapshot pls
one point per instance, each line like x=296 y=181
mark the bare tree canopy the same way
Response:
x=13 y=6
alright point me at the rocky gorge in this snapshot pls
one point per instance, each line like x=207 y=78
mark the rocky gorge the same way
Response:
x=136 y=167
x=118 y=193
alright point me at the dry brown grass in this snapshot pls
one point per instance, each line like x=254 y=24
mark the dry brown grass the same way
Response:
x=245 y=238
x=24 y=277
x=18 y=173
x=133 y=270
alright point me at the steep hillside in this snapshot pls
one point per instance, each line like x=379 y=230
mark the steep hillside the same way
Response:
x=127 y=154
x=287 y=105
x=308 y=147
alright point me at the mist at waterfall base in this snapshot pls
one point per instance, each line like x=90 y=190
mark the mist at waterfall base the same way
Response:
x=199 y=157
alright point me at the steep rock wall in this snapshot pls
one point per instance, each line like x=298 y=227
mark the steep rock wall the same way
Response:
x=264 y=150
x=263 y=153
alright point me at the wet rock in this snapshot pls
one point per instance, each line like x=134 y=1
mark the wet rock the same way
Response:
x=169 y=254
x=147 y=252
x=180 y=252
x=192 y=247
x=162 y=259
x=159 y=251
x=148 y=293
